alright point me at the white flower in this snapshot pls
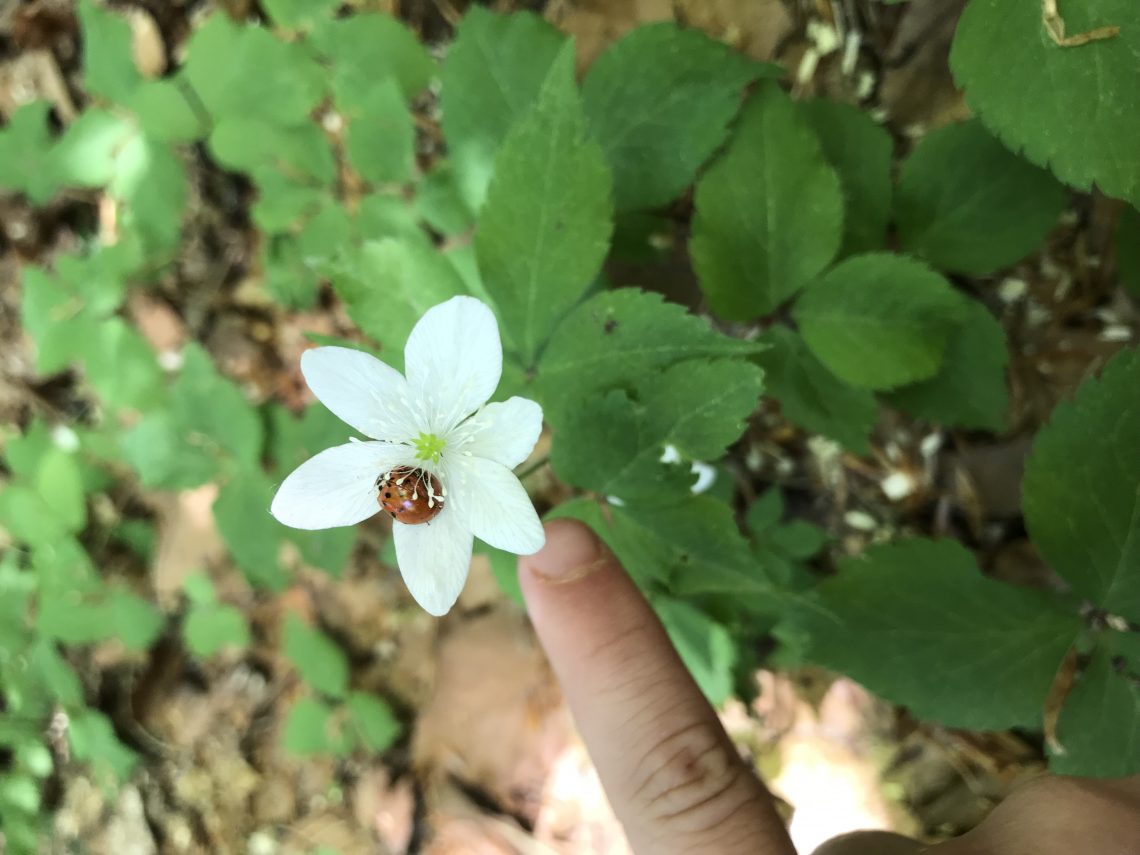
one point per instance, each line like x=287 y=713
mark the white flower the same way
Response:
x=435 y=420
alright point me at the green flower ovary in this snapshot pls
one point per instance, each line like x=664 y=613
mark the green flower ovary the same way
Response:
x=429 y=447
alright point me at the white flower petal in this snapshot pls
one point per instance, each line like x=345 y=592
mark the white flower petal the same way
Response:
x=494 y=505
x=434 y=558
x=453 y=360
x=504 y=432
x=336 y=487
x=361 y=391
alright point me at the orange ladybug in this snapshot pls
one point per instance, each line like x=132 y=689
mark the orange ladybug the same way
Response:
x=410 y=496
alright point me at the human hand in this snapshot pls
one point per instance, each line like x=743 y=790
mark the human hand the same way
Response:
x=673 y=776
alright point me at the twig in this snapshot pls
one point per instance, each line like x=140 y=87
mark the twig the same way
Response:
x=1055 y=27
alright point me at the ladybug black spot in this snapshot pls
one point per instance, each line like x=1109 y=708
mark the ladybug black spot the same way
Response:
x=387 y=495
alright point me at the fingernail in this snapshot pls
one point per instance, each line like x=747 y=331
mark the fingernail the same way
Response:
x=572 y=552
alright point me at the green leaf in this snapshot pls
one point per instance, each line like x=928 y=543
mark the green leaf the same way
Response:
x=87 y=154
x=59 y=483
x=151 y=181
x=880 y=320
x=93 y=741
x=970 y=390
x=440 y=204
x=321 y=663
x=1127 y=242
x=381 y=135
x=133 y=620
x=769 y=211
x=284 y=199
x=211 y=410
x=1072 y=109
x=210 y=628
x=1081 y=492
x=859 y=149
x=108 y=53
x=200 y=590
x=659 y=101
x=369 y=47
x=122 y=367
x=494 y=70
x=617 y=338
x=245 y=72
x=766 y=512
x=156 y=449
x=545 y=229
x=614 y=445
x=373 y=721
x=389 y=284
x=813 y=398
x=917 y=623
x=299 y=14
x=704 y=645
x=328 y=549
x=687 y=548
x=165 y=112
x=250 y=144
x=26 y=165
x=1099 y=726
x=253 y=536
x=27 y=517
x=967 y=204
x=310 y=730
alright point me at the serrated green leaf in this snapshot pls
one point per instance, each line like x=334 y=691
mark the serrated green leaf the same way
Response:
x=283 y=200
x=544 y=231
x=19 y=793
x=659 y=101
x=704 y=645
x=245 y=72
x=967 y=204
x=860 y=151
x=380 y=216
x=108 y=53
x=50 y=313
x=1081 y=492
x=381 y=134
x=326 y=549
x=614 y=445
x=310 y=730
x=1099 y=725
x=491 y=79
x=798 y=540
x=769 y=211
x=917 y=623
x=970 y=389
x=617 y=338
x=1127 y=242
x=690 y=547
x=26 y=165
x=210 y=628
x=373 y=720
x=389 y=284
x=369 y=47
x=813 y=398
x=151 y=180
x=880 y=320
x=1071 y=108
x=253 y=537
x=319 y=660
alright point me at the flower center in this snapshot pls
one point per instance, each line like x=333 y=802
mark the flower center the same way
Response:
x=429 y=447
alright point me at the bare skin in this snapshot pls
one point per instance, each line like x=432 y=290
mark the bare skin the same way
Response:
x=671 y=773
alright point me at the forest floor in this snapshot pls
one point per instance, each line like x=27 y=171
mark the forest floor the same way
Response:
x=490 y=762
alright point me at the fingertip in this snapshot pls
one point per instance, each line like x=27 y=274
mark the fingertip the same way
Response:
x=571 y=552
